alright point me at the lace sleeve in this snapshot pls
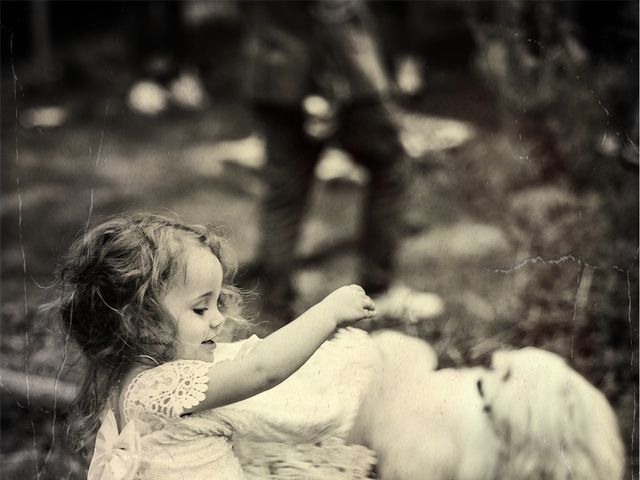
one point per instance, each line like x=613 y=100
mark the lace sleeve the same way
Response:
x=161 y=393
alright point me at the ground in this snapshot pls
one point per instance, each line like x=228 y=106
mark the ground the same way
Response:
x=519 y=258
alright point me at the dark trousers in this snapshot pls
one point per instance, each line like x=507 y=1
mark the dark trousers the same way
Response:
x=368 y=134
x=156 y=31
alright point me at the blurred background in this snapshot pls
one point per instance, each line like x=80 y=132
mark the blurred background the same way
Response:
x=520 y=120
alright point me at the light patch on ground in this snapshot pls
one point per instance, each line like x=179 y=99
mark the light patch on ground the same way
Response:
x=464 y=240
x=422 y=134
x=209 y=158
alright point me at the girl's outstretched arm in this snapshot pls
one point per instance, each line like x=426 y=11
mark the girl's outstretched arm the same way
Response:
x=284 y=351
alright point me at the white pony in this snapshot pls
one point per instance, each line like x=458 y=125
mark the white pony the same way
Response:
x=528 y=417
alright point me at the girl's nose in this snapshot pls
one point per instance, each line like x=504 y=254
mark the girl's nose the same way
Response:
x=216 y=319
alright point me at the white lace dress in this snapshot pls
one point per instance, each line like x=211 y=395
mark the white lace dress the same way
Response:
x=316 y=404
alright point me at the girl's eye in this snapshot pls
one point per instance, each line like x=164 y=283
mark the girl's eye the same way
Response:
x=200 y=311
x=221 y=301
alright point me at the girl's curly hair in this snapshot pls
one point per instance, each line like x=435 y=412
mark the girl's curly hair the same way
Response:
x=111 y=285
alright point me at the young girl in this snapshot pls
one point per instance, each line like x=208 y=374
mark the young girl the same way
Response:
x=146 y=297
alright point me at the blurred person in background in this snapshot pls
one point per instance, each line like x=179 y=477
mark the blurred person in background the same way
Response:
x=321 y=60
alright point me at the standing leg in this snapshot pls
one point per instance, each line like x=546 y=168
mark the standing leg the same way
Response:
x=288 y=174
x=369 y=134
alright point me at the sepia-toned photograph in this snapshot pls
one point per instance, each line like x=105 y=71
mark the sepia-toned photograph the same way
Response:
x=319 y=239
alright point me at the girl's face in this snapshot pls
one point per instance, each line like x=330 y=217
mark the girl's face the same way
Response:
x=194 y=304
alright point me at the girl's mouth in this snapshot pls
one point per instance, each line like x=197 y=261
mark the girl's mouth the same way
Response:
x=209 y=343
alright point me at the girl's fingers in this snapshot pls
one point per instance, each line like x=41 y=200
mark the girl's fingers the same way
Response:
x=368 y=303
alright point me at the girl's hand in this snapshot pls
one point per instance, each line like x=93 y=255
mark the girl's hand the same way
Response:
x=347 y=305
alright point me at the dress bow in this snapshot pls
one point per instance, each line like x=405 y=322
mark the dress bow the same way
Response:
x=115 y=456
